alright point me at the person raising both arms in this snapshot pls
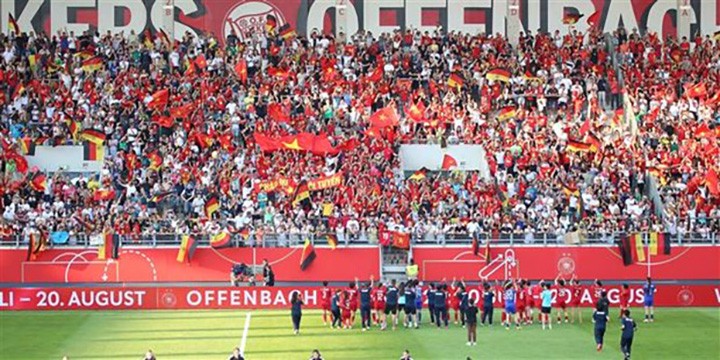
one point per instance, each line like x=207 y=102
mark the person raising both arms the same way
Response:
x=577 y=292
x=510 y=304
x=391 y=305
x=561 y=298
x=366 y=304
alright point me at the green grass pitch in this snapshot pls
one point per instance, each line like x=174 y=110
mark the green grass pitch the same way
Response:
x=690 y=333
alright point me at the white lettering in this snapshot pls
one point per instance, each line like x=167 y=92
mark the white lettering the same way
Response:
x=251 y=298
x=6 y=299
x=613 y=295
x=106 y=16
x=157 y=16
x=586 y=297
x=193 y=298
x=310 y=297
x=640 y=295
x=59 y=11
x=456 y=15
x=222 y=296
x=413 y=13
x=24 y=20
x=371 y=15
x=316 y=16
x=620 y=11
x=235 y=298
x=657 y=14
x=717 y=295
x=265 y=297
x=280 y=298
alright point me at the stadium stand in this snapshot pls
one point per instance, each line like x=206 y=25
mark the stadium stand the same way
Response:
x=597 y=133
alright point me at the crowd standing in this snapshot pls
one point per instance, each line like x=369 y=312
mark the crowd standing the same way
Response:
x=181 y=122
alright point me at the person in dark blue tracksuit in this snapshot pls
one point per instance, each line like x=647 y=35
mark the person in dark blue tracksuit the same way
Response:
x=600 y=319
x=335 y=309
x=296 y=311
x=431 y=302
x=440 y=299
x=462 y=296
x=488 y=300
x=391 y=305
x=628 y=332
x=365 y=292
x=410 y=309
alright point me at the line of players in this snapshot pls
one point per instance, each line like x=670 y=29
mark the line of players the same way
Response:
x=380 y=304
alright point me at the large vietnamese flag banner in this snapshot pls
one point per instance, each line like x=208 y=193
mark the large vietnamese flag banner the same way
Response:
x=158 y=298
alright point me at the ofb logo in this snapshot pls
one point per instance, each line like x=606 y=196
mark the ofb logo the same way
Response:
x=250 y=17
x=685 y=297
x=169 y=300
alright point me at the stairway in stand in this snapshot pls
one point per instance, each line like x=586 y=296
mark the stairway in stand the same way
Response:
x=394 y=262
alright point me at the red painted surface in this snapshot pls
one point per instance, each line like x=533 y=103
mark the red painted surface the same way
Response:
x=685 y=263
x=148 y=265
x=149 y=298
x=342 y=264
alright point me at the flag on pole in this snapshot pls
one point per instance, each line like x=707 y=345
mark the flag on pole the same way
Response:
x=448 y=162
x=419 y=175
x=456 y=81
x=94 y=136
x=13 y=25
x=638 y=247
x=498 y=74
x=307 y=256
x=332 y=240
x=625 y=250
x=211 y=206
x=401 y=240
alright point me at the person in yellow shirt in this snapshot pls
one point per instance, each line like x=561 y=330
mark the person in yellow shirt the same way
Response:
x=411 y=270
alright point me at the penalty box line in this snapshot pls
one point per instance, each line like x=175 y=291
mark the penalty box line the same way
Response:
x=245 y=334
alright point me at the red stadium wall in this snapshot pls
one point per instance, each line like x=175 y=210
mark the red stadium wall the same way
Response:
x=343 y=264
x=151 y=265
x=685 y=263
x=219 y=17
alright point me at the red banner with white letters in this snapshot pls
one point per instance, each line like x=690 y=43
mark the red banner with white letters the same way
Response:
x=187 y=298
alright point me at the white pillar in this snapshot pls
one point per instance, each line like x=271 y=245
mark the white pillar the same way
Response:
x=514 y=26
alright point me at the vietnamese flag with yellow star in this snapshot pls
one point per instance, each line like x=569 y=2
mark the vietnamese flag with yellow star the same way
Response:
x=384 y=117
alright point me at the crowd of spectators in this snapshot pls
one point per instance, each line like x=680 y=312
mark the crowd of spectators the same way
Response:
x=650 y=168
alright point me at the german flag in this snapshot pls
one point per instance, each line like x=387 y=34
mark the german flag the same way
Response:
x=147 y=39
x=332 y=240
x=419 y=175
x=93 y=151
x=307 y=256
x=37 y=243
x=287 y=32
x=302 y=194
x=221 y=240
x=109 y=247
x=164 y=38
x=92 y=64
x=161 y=196
x=506 y=113
x=211 y=206
x=658 y=239
x=577 y=146
x=637 y=248
x=13 y=25
x=270 y=24
x=595 y=143
x=187 y=248
x=487 y=251
x=156 y=160
x=570 y=190
x=571 y=18
x=625 y=251
x=27 y=146
x=498 y=74
x=39 y=182
x=74 y=127
x=716 y=36
x=456 y=81
x=94 y=136
x=475 y=245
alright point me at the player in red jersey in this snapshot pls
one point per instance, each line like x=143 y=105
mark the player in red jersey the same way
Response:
x=535 y=293
x=325 y=302
x=452 y=300
x=562 y=297
x=352 y=300
x=345 y=310
x=522 y=301
x=597 y=290
x=624 y=298
x=379 y=303
x=577 y=292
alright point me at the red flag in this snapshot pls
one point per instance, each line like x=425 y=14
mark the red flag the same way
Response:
x=275 y=111
x=164 y=121
x=712 y=182
x=416 y=111
x=200 y=62
x=448 y=162
x=241 y=70
x=377 y=74
x=401 y=240
x=585 y=127
x=594 y=19
x=697 y=90
x=384 y=117
x=182 y=112
x=266 y=143
x=159 y=99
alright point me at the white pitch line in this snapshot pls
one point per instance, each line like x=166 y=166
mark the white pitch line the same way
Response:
x=245 y=334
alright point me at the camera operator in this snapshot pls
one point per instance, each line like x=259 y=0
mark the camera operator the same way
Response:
x=268 y=274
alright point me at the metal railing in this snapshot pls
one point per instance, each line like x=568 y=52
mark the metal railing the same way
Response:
x=363 y=238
